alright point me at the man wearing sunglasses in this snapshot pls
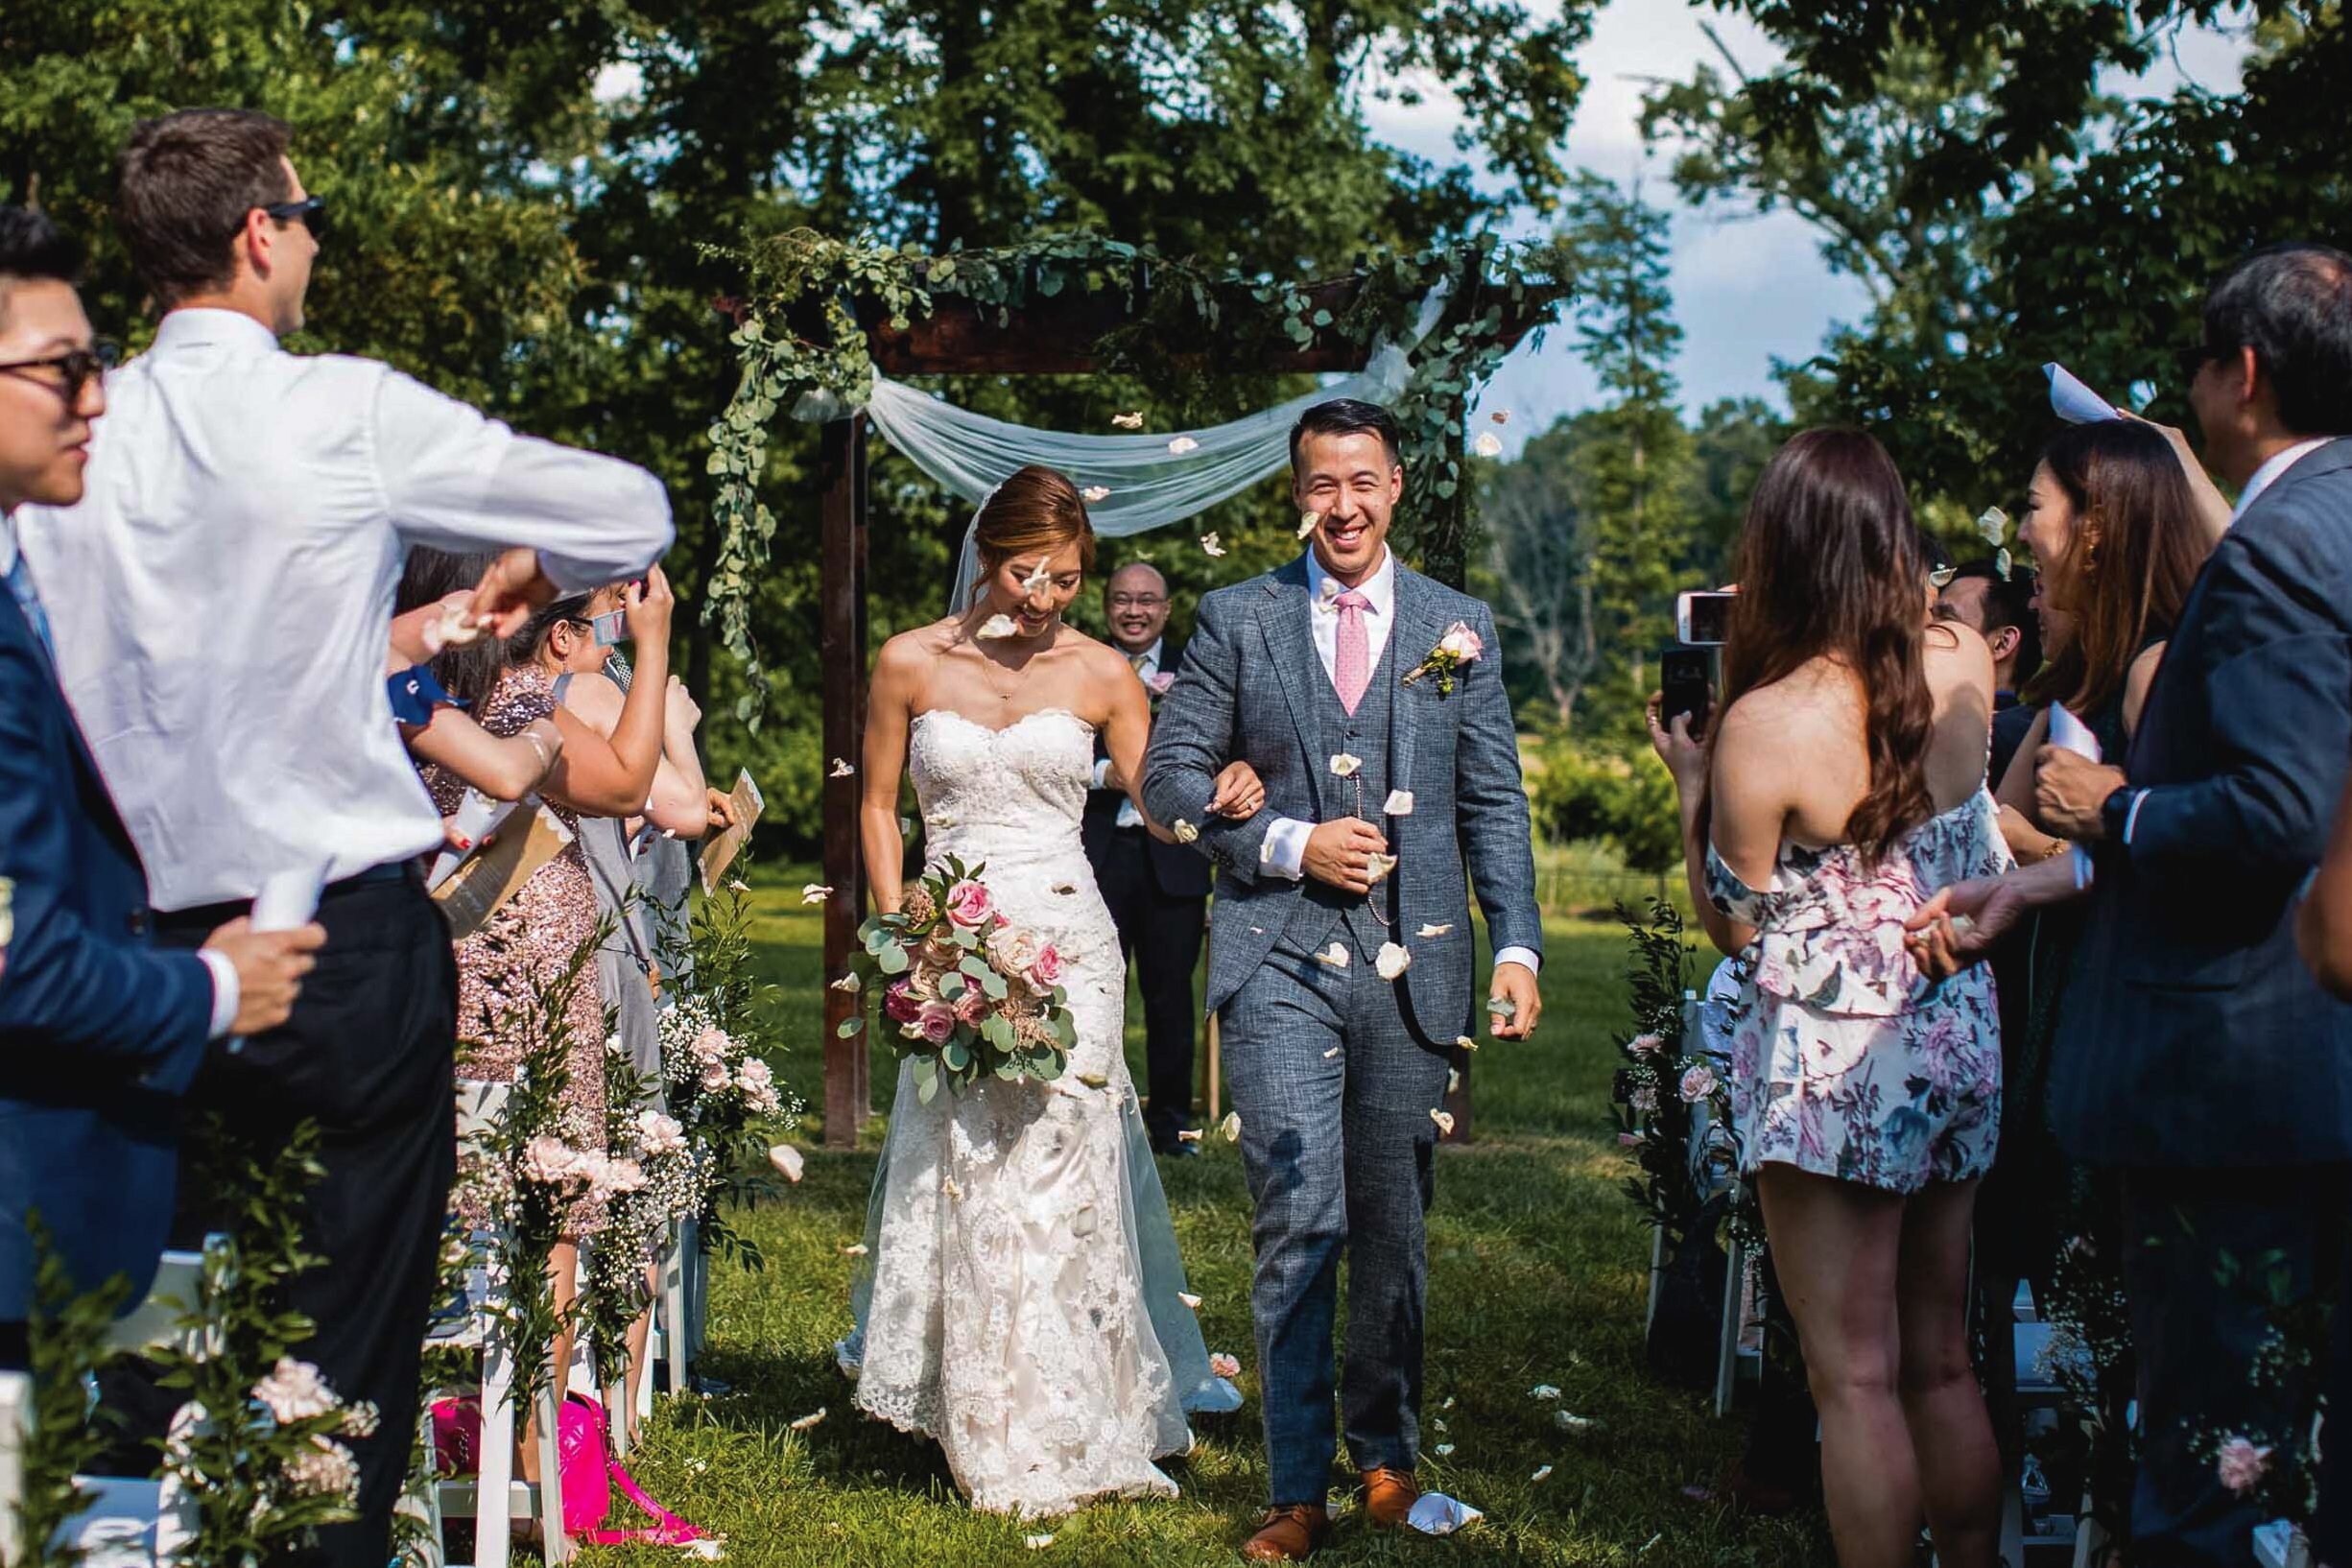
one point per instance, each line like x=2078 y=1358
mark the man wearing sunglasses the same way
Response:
x=99 y=1030
x=222 y=599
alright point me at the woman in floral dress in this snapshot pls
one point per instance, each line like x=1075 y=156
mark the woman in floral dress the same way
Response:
x=1841 y=786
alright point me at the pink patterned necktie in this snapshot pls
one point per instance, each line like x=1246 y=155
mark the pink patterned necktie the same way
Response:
x=1351 y=669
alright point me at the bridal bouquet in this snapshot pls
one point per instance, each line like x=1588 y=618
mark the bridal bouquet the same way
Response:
x=973 y=995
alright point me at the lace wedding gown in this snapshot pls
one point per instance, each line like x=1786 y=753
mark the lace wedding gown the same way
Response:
x=1022 y=1297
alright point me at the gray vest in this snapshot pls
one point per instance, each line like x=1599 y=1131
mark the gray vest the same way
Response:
x=1365 y=734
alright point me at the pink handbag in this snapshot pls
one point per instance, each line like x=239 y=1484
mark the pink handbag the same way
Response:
x=587 y=1470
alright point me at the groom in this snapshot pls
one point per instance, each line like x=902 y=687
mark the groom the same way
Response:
x=1323 y=676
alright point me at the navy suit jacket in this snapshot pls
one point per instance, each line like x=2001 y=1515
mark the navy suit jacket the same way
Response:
x=99 y=1030
x=2191 y=1035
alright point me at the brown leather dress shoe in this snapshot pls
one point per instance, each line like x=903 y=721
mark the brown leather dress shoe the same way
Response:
x=1388 y=1495
x=1289 y=1534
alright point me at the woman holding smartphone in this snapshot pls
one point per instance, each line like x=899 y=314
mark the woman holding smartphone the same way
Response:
x=1841 y=782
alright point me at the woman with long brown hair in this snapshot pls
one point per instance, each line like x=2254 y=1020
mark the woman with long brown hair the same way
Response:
x=1021 y=1301
x=1843 y=783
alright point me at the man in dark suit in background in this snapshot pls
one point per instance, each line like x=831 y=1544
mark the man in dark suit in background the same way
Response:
x=1159 y=892
x=100 y=1030
x=2200 y=1060
x=2000 y=609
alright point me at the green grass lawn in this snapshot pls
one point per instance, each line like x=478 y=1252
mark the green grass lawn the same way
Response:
x=1538 y=1275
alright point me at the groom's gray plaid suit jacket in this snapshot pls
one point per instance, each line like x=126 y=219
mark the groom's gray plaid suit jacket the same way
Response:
x=1249 y=688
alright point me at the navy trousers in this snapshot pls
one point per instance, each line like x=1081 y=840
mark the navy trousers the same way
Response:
x=1337 y=1140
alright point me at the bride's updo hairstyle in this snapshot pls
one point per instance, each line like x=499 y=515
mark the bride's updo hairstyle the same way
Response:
x=1035 y=509
x=1830 y=567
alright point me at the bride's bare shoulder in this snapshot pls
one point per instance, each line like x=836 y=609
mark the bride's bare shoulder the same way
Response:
x=920 y=643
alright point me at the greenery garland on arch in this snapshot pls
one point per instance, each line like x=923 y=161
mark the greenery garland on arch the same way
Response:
x=810 y=301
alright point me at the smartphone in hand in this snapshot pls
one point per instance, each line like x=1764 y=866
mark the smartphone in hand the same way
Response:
x=1702 y=617
x=1684 y=684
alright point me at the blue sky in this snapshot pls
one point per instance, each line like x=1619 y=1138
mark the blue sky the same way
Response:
x=1746 y=287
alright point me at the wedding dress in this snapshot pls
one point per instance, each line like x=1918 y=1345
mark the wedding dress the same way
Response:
x=1021 y=1299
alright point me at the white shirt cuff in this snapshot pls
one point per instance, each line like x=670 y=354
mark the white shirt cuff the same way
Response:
x=1284 y=853
x=1519 y=955
x=2131 y=818
x=225 y=990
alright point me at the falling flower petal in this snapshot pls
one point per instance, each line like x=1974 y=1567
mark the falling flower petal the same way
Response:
x=1453 y=1081
x=1345 y=764
x=1184 y=831
x=1093 y=493
x=1189 y=1300
x=786 y=1160
x=1443 y=1118
x=1432 y=930
x=1443 y=1450
x=847 y=983
x=1377 y=866
x=1307 y=521
x=709 y=1549
x=1231 y=1127
x=1399 y=804
x=815 y=893
x=2004 y=564
x=1222 y=1364
x=1040 y=577
x=1336 y=955
x=1544 y=1473
x=1190 y=1135
x=1036 y=1543
x=1128 y=421
x=840 y=769
x=455 y=628
x=995 y=626
x=1333 y=1051
x=1449 y=1402
x=1543 y=1390
x=1392 y=959
x=855 y=1249
x=1488 y=444
x=1992 y=525
x=807 y=1421
x=1181 y=445
x=1465 y=1042
x=1567 y=1422
x=1209 y=546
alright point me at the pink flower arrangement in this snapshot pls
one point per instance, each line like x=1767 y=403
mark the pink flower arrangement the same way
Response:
x=2240 y=1465
x=968 y=904
x=974 y=993
x=1645 y=1045
x=1699 y=1083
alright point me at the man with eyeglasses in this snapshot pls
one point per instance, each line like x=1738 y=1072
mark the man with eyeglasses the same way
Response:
x=99 y=1030
x=1157 y=893
x=221 y=599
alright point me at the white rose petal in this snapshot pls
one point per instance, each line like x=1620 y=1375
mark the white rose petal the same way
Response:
x=1453 y=1081
x=1433 y=929
x=1184 y=831
x=1036 y=1543
x=840 y=769
x=1209 y=546
x=1488 y=444
x=1543 y=1473
x=1189 y=1300
x=815 y=893
x=1392 y=959
x=1093 y=493
x=1465 y=1042
x=455 y=628
x=1127 y=421
x=1444 y=1121
x=1377 y=866
x=1190 y=1135
x=855 y=1249
x=1992 y=525
x=1399 y=804
x=1443 y=1450
x=1333 y=1051
x=995 y=626
x=1039 y=578
x=1182 y=444
x=1336 y=955
x=1231 y=1127
x=1307 y=521
x=807 y=1421
x=1566 y=1422
x=847 y=983
x=1543 y=1390
x=786 y=1160
x=1345 y=764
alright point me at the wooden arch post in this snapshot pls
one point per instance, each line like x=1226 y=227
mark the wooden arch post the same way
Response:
x=1055 y=335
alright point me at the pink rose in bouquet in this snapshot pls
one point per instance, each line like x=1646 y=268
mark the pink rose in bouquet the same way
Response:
x=969 y=906
x=972 y=1006
x=1044 y=971
x=1012 y=950
x=900 y=1003
x=938 y=1023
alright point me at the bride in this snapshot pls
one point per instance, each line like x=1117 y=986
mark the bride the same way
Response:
x=1021 y=1300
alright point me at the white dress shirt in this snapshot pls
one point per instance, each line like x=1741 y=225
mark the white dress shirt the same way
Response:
x=1128 y=816
x=226 y=989
x=221 y=597
x=2264 y=477
x=1284 y=851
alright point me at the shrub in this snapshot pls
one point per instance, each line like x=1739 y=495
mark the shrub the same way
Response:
x=1625 y=801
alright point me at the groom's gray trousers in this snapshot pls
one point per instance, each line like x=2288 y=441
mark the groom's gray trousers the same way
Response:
x=1334 y=1095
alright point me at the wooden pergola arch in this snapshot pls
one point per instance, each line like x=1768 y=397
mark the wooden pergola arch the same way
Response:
x=1045 y=336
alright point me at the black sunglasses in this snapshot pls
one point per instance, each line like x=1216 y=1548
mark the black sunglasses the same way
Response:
x=310 y=212
x=76 y=369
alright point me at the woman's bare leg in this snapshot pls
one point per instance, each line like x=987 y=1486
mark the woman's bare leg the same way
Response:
x=1959 y=1463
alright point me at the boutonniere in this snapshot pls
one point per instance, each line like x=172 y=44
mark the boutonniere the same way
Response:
x=1460 y=646
x=1160 y=680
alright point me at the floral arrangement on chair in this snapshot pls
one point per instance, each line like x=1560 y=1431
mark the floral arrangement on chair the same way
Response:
x=1666 y=1079
x=974 y=995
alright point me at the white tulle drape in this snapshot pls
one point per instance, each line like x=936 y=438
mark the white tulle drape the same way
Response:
x=1150 y=485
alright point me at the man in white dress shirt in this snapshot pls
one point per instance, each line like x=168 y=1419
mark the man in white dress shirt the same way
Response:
x=220 y=601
